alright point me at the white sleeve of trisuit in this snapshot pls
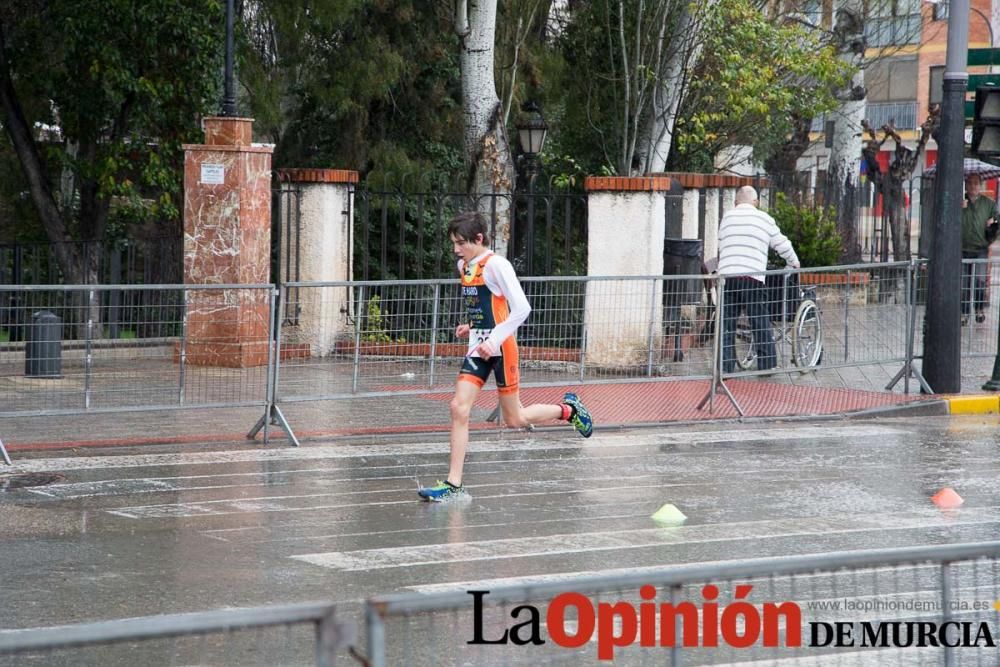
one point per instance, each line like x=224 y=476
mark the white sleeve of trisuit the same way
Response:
x=501 y=279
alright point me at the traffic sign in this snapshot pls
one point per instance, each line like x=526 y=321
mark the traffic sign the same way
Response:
x=976 y=80
x=981 y=57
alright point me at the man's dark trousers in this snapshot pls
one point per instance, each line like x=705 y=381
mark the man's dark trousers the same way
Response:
x=744 y=294
x=974 y=281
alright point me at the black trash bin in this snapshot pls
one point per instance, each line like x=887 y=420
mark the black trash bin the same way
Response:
x=43 y=349
x=681 y=257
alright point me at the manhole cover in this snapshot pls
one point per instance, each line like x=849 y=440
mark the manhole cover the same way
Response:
x=11 y=482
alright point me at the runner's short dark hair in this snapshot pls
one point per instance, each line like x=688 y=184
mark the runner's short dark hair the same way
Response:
x=468 y=224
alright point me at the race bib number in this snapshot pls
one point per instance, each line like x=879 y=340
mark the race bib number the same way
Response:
x=476 y=338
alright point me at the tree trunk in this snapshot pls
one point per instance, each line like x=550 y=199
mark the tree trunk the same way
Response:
x=19 y=131
x=490 y=170
x=844 y=188
x=786 y=159
x=845 y=154
x=894 y=204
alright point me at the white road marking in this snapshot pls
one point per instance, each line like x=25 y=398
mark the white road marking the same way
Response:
x=221 y=507
x=581 y=485
x=428 y=529
x=138 y=485
x=619 y=540
x=348 y=451
x=534 y=579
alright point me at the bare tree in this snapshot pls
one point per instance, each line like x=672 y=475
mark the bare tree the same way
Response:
x=680 y=24
x=890 y=183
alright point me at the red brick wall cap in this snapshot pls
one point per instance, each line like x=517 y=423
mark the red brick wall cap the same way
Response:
x=698 y=181
x=318 y=175
x=626 y=183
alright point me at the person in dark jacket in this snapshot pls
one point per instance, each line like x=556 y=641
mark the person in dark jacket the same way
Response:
x=980 y=221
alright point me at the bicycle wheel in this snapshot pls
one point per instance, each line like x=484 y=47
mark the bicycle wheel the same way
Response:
x=743 y=348
x=807 y=335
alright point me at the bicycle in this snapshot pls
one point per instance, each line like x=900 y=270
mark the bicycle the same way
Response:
x=804 y=333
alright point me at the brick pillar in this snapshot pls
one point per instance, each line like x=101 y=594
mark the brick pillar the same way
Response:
x=320 y=242
x=227 y=240
x=625 y=223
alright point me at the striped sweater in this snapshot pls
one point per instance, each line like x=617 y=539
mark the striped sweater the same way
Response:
x=745 y=234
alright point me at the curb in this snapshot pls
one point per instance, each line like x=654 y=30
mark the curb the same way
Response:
x=926 y=408
x=974 y=405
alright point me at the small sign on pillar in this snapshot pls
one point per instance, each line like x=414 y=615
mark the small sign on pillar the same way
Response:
x=213 y=174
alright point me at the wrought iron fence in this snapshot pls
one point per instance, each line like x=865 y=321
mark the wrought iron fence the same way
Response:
x=403 y=236
x=866 y=206
x=125 y=313
x=155 y=261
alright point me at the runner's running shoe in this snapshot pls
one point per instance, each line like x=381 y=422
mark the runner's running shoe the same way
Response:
x=580 y=418
x=440 y=491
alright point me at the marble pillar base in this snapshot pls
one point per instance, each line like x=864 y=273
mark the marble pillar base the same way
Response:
x=227 y=355
x=228 y=328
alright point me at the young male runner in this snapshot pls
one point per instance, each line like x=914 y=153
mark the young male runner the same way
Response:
x=495 y=305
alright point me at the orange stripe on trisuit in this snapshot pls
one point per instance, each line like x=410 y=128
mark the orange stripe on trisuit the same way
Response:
x=472 y=379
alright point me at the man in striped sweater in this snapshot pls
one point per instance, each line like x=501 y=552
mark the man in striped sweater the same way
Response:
x=745 y=236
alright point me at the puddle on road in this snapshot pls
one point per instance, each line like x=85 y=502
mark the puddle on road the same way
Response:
x=14 y=482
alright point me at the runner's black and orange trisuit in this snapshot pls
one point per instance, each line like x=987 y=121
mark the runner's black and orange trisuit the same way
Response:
x=486 y=310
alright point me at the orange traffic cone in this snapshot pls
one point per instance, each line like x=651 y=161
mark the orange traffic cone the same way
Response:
x=946 y=498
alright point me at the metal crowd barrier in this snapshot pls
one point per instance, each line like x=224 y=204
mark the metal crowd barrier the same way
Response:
x=176 y=346
x=114 y=348
x=353 y=339
x=913 y=605
x=839 y=608
x=308 y=633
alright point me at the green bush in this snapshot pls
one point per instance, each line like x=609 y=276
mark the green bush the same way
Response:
x=376 y=323
x=812 y=230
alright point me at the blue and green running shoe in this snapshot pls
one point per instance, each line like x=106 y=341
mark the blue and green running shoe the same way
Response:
x=580 y=418
x=440 y=491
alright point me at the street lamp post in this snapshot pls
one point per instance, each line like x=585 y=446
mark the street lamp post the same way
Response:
x=531 y=131
x=989 y=27
x=229 y=94
x=942 y=365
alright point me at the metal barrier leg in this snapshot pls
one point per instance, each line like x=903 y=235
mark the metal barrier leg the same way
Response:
x=376 y=636
x=332 y=636
x=495 y=417
x=272 y=413
x=717 y=381
x=909 y=370
x=3 y=452
x=945 y=571
x=273 y=416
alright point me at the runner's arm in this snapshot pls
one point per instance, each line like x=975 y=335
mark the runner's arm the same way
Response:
x=502 y=279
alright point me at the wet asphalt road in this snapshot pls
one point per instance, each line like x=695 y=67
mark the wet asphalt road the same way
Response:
x=123 y=533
